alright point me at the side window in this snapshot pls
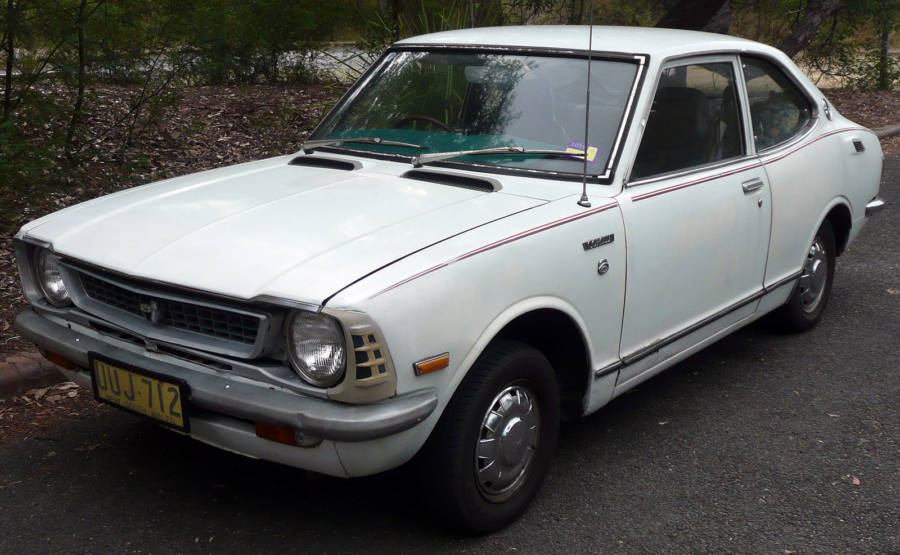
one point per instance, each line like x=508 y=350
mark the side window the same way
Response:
x=777 y=107
x=695 y=120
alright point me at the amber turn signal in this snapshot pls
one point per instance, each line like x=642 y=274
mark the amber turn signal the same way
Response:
x=273 y=432
x=286 y=435
x=58 y=360
x=431 y=364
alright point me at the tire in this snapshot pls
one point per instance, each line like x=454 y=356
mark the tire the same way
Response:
x=511 y=387
x=807 y=303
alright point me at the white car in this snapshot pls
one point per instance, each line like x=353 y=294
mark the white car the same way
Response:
x=442 y=272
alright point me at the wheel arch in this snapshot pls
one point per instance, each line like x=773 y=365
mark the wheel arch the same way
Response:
x=841 y=220
x=554 y=328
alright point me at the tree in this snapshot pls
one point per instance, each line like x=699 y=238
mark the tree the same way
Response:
x=9 y=33
x=815 y=13
x=696 y=15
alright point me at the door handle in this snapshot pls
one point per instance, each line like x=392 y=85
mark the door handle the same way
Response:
x=752 y=185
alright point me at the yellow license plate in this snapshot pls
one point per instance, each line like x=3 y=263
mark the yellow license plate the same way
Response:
x=139 y=391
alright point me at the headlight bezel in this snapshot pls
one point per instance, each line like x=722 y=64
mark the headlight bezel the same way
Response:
x=380 y=382
x=43 y=254
x=301 y=367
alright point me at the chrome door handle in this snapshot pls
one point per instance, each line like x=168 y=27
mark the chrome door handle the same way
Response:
x=752 y=185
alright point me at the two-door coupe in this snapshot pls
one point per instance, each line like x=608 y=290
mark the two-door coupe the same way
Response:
x=478 y=240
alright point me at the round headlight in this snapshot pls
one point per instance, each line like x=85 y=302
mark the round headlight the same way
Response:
x=317 y=348
x=46 y=266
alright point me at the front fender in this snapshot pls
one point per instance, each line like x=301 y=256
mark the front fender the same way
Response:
x=455 y=297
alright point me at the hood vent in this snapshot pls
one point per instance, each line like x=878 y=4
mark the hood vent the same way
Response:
x=325 y=162
x=486 y=184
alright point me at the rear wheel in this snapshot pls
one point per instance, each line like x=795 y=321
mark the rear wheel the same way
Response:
x=489 y=453
x=807 y=303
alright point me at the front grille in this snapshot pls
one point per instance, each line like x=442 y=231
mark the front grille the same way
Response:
x=215 y=322
x=116 y=297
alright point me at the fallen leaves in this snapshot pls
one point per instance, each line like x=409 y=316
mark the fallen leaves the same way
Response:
x=870 y=108
x=60 y=391
x=36 y=412
x=208 y=127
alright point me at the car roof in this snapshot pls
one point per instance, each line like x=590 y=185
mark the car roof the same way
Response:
x=634 y=40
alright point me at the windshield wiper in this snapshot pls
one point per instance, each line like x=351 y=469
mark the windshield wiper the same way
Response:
x=436 y=156
x=309 y=145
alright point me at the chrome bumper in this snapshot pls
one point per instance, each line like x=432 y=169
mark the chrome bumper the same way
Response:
x=874 y=206
x=242 y=398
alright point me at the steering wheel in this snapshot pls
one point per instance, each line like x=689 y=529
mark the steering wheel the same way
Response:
x=435 y=121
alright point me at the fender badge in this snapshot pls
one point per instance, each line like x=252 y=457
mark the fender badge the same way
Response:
x=599 y=242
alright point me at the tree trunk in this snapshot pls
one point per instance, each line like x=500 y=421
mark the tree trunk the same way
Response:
x=816 y=12
x=721 y=21
x=884 y=60
x=396 y=10
x=10 y=57
x=692 y=14
x=576 y=12
x=79 y=99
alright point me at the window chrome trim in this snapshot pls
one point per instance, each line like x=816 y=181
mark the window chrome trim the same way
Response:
x=790 y=143
x=738 y=55
x=540 y=50
x=678 y=61
x=814 y=114
x=697 y=169
x=606 y=178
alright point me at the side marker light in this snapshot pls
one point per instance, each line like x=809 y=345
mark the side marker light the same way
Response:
x=432 y=364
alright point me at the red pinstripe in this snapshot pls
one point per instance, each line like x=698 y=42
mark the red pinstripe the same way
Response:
x=501 y=242
x=665 y=190
x=599 y=209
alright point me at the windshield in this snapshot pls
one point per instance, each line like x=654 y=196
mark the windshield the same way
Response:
x=453 y=101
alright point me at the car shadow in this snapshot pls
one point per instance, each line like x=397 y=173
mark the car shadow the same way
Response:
x=270 y=502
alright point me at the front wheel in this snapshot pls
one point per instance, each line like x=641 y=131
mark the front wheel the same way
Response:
x=807 y=303
x=489 y=453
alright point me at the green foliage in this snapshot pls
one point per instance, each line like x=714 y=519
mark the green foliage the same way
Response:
x=852 y=48
x=637 y=13
x=229 y=41
x=156 y=48
x=21 y=162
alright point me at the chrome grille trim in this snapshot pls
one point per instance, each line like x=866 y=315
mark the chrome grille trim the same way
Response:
x=188 y=320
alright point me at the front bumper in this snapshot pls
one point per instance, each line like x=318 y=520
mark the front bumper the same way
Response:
x=874 y=206
x=241 y=398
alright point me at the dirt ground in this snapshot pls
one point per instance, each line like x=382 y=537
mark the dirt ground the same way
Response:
x=208 y=127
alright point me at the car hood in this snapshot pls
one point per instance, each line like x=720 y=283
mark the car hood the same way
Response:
x=268 y=228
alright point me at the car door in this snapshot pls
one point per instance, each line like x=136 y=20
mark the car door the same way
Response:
x=696 y=210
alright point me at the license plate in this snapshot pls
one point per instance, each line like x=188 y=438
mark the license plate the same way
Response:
x=161 y=398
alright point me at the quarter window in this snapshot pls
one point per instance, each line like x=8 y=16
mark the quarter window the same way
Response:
x=778 y=109
x=695 y=120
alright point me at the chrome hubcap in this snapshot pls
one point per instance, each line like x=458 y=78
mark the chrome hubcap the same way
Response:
x=815 y=274
x=506 y=443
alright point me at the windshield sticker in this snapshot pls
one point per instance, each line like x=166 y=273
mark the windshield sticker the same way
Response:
x=578 y=147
